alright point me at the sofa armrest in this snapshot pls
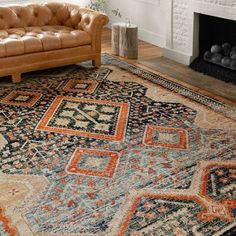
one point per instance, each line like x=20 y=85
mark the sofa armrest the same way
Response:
x=93 y=22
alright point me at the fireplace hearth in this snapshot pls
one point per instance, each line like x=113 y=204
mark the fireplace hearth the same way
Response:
x=214 y=70
x=217 y=48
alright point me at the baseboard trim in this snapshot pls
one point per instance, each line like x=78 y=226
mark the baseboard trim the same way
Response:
x=151 y=37
x=177 y=56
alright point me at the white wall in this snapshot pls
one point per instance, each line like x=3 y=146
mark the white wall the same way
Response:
x=6 y=2
x=80 y=2
x=147 y=14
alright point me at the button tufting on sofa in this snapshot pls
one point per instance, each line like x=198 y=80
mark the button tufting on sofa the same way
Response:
x=37 y=36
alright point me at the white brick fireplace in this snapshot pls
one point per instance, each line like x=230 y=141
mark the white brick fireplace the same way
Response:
x=182 y=22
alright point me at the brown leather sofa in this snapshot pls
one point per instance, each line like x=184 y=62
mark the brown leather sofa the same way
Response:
x=39 y=36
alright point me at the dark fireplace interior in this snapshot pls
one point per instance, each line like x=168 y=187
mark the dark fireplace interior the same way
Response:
x=216 y=31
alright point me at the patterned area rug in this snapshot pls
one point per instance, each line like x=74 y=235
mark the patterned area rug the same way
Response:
x=114 y=151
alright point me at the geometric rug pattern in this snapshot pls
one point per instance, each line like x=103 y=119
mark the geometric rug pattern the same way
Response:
x=99 y=163
x=114 y=151
x=86 y=117
x=166 y=137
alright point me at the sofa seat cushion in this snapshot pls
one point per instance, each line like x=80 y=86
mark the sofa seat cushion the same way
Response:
x=18 y=41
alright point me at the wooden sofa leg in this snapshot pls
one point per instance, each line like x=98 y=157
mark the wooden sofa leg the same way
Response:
x=97 y=61
x=16 y=78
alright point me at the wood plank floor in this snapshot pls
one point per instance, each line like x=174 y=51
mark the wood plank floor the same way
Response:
x=150 y=57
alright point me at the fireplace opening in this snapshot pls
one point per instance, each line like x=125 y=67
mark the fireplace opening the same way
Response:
x=217 y=48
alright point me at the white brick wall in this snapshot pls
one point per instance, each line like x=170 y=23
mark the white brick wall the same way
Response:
x=180 y=24
x=230 y=3
x=182 y=28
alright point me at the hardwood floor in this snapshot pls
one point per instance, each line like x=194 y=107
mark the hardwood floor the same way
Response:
x=150 y=57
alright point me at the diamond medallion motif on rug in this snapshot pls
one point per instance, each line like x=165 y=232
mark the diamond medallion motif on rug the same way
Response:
x=151 y=207
x=166 y=137
x=86 y=117
x=21 y=98
x=100 y=163
x=80 y=86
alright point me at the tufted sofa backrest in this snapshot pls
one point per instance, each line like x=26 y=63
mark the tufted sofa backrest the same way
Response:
x=40 y=15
